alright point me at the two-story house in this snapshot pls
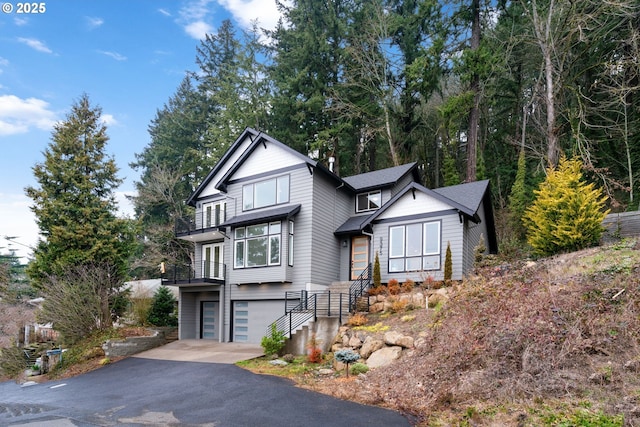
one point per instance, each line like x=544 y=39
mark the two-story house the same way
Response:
x=271 y=220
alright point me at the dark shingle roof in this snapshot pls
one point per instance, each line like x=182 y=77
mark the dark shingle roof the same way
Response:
x=469 y=195
x=352 y=225
x=262 y=216
x=379 y=178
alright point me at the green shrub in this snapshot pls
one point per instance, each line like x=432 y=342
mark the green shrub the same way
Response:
x=377 y=279
x=162 y=312
x=567 y=213
x=359 y=368
x=12 y=361
x=274 y=342
x=448 y=264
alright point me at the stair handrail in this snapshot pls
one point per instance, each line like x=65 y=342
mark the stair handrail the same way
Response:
x=359 y=287
x=297 y=316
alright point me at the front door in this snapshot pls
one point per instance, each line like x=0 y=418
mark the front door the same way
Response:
x=208 y=315
x=212 y=264
x=359 y=255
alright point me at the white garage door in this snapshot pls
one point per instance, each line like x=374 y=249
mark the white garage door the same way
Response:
x=252 y=318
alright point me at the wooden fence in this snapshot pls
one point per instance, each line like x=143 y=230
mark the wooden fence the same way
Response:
x=622 y=224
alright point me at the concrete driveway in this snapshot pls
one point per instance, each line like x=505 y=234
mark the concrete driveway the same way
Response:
x=203 y=351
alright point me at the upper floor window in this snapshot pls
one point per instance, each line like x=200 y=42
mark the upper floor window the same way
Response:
x=257 y=245
x=265 y=193
x=368 y=201
x=414 y=247
x=214 y=214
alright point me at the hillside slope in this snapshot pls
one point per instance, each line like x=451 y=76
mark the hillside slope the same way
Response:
x=548 y=342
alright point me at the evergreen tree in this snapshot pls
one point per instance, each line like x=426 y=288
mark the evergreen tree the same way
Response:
x=162 y=308
x=74 y=202
x=518 y=198
x=567 y=213
x=448 y=264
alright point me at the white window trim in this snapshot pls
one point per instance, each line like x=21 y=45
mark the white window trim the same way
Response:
x=268 y=236
x=279 y=198
x=368 y=207
x=425 y=253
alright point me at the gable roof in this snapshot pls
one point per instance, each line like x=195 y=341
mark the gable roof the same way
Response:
x=257 y=138
x=381 y=178
x=469 y=194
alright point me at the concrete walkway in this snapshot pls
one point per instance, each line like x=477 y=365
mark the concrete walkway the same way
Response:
x=203 y=351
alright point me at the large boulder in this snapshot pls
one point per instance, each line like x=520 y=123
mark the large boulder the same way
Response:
x=394 y=338
x=384 y=356
x=369 y=346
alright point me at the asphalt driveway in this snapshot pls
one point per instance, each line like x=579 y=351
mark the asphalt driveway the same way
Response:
x=146 y=391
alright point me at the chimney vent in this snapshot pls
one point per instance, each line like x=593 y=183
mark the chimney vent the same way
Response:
x=332 y=161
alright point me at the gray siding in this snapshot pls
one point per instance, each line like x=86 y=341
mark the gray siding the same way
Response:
x=451 y=231
x=401 y=184
x=472 y=238
x=187 y=309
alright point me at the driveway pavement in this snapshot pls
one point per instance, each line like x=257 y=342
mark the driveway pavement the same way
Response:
x=203 y=351
x=160 y=388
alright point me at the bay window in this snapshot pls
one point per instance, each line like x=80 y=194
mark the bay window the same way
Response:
x=257 y=245
x=414 y=247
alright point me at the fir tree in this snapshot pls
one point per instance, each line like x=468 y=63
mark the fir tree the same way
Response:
x=567 y=213
x=162 y=308
x=448 y=264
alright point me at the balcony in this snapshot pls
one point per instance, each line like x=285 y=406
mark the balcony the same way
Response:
x=207 y=273
x=204 y=226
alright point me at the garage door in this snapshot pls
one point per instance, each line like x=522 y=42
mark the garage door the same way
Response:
x=252 y=318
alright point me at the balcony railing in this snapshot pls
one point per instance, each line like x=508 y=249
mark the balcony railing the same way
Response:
x=209 y=272
x=203 y=219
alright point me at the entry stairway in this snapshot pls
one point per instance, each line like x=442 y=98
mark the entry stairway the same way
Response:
x=303 y=308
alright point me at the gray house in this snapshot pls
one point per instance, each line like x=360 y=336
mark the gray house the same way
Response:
x=272 y=222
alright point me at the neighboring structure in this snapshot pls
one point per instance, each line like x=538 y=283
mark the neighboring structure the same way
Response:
x=271 y=220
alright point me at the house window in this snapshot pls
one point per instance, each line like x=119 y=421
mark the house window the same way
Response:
x=414 y=247
x=265 y=193
x=257 y=245
x=368 y=201
x=290 y=249
x=214 y=214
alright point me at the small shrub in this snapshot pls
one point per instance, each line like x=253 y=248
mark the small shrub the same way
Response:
x=288 y=358
x=274 y=342
x=448 y=264
x=346 y=356
x=357 y=319
x=359 y=368
x=315 y=353
x=398 y=306
x=162 y=311
x=393 y=287
x=407 y=286
x=376 y=291
x=377 y=280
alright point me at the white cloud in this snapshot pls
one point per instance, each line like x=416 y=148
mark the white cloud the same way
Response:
x=125 y=206
x=3 y=64
x=164 y=12
x=35 y=44
x=18 y=222
x=108 y=119
x=93 y=22
x=20 y=21
x=194 y=16
x=245 y=11
x=114 y=55
x=20 y=115
x=198 y=30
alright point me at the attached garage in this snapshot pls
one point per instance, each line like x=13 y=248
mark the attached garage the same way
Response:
x=251 y=319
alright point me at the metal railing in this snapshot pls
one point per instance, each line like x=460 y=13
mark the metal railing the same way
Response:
x=185 y=273
x=202 y=220
x=359 y=287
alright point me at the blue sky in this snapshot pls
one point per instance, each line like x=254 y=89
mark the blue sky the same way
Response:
x=127 y=56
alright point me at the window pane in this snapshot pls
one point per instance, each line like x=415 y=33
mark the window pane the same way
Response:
x=243 y=321
x=257 y=252
x=240 y=338
x=257 y=230
x=242 y=313
x=274 y=228
x=283 y=189
x=414 y=240
x=414 y=264
x=396 y=265
x=265 y=193
x=431 y=238
x=290 y=227
x=240 y=233
x=396 y=242
x=362 y=203
x=431 y=262
x=374 y=200
x=242 y=304
x=242 y=329
x=274 y=250
x=239 y=258
x=291 y=249
x=247 y=197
